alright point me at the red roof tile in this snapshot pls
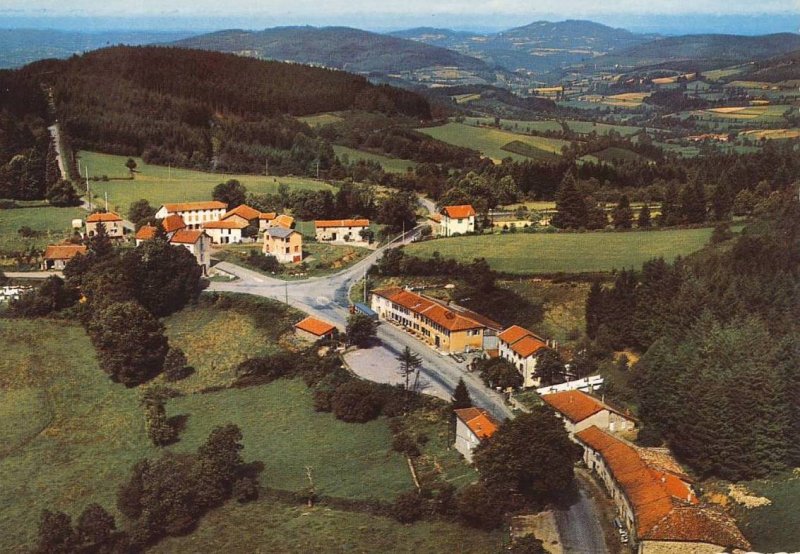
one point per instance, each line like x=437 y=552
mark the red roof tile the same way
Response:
x=172 y=223
x=574 y=404
x=63 y=251
x=528 y=346
x=190 y=206
x=187 y=236
x=326 y=223
x=284 y=220
x=146 y=232
x=315 y=326
x=452 y=318
x=514 y=333
x=458 y=212
x=479 y=421
x=225 y=224
x=243 y=210
x=704 y=524
x=97 y=217
x=268 y=216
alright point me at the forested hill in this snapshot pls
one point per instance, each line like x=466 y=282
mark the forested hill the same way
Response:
x=711 y=50
x=781 y=68
x=205 y=109
x=337 y=47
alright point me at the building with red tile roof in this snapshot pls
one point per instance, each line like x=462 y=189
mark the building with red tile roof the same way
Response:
x=110 y=220
x=350 y=231
x=197 y=242
x=473 y=425
x=283 y=220
x=172 y=223
x=658 y=508
x=521 y=348
x=580 y=411
x=245 y=212
x=226 y=231
x=56 y=256
x=445 y=326
x=457 y=220
x=194 y=214
x=145 y=232
x=314 y=329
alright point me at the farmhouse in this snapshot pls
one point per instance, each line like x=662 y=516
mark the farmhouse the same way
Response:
x=110 y=220
x=194 y=214
x=472 y=426
x=350 y=231
x=265 y=220
x=522 y=348
x=580 y=411
x=171 y=225
x=656 y=504
x=283 y=220
x=226 y=231
x=457 y=220
x=314 y=329
x=446 y=327
x=56 y=256
x=245 y=213
x=285 y=244
x=197 y=242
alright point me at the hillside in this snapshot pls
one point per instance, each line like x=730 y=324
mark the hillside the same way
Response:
x=539 y=46
x=205 y=110
x=335 y=47
x=710 y=50
x=781 y=68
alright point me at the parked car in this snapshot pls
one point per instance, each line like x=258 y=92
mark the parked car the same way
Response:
x=623 y=537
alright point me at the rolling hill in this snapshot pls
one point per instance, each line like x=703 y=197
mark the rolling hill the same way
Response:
x=539 y=46
x=781 y=68
x=707 y=50
x=344 y=48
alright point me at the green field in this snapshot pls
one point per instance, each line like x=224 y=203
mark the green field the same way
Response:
x=71 y=435
x=160 y=184
x=51 y=224
x=613 y=154
x=320 y=119
x=390 y=165
x=268 y=526
x=531 y=253
x=490 y=142
x=774 y=528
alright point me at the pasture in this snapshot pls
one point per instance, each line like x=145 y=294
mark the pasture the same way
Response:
x=613 y=154
x=624 y=100
x=390 y=165
x=49 y=224
x=490 y=142
x=771 y=134
x=320 y=119
x=546 y=253
x=159 y=184
x=574 y=125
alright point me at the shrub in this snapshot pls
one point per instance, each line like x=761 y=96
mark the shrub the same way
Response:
x=407 y=507
x=175 y=365
x=479 y=507
x=357 y=401
x=245 y=490
x=405 y=444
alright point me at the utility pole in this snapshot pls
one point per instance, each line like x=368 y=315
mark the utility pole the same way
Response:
x=286 y=291
x=365 y=286
x=106 y=201
x=317 y=169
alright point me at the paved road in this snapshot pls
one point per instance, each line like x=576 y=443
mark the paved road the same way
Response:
x=32 y=274
x=579 y=526
x=327 y=298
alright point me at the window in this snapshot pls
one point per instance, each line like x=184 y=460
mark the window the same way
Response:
x=297 y=249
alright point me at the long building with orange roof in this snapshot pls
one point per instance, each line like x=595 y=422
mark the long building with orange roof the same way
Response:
x=446 y=327
x=194 y=214
x=657 y=506
x=579 y=411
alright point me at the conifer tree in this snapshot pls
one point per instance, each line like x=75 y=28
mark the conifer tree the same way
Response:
x=623 y=214
x=644 y=221
x=461 y=397
x=570 y=204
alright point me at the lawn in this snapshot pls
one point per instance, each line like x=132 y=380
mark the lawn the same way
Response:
x=490 y=141
x=70 y=434
x=269 y=526
x=51 y=225
x=160 y=184
x=281 y=428
x=774 y=528
x=390 y=165
x=532 y=253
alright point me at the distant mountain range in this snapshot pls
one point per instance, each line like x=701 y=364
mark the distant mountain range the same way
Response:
x=540 y=46
x=21 y=46
x=335 y=47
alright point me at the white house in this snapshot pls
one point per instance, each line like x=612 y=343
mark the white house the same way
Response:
x=580 y=411
x=197 y=242
x=194 y=214
x=347 y=231
x=521 y=347
x=110 y=220
x=457 y=220
x=472 y=426
x=226 y=231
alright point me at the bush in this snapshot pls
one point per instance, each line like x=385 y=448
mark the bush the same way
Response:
x=175 y=365
x=357 y=401
x=245 y=490
x=407 y=507
x=479 y=507
x=405 y=444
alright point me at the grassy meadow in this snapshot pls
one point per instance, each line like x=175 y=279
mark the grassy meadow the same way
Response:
x=320 y=119
x=159 y=184
x=390 y=165
x=537 y=253
x=51 y=225
x=580 y=127
x=490 y=141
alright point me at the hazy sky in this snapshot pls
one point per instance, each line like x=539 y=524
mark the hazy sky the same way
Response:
x=394 y=14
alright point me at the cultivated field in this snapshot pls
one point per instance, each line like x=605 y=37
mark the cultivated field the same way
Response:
x=581 y=127
x=624 y=100
x=769 y=134
x=320 y=119
x=390 y=165
x=490 y=142
x=49 y=224
x=532 y=253
x=159 y=184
